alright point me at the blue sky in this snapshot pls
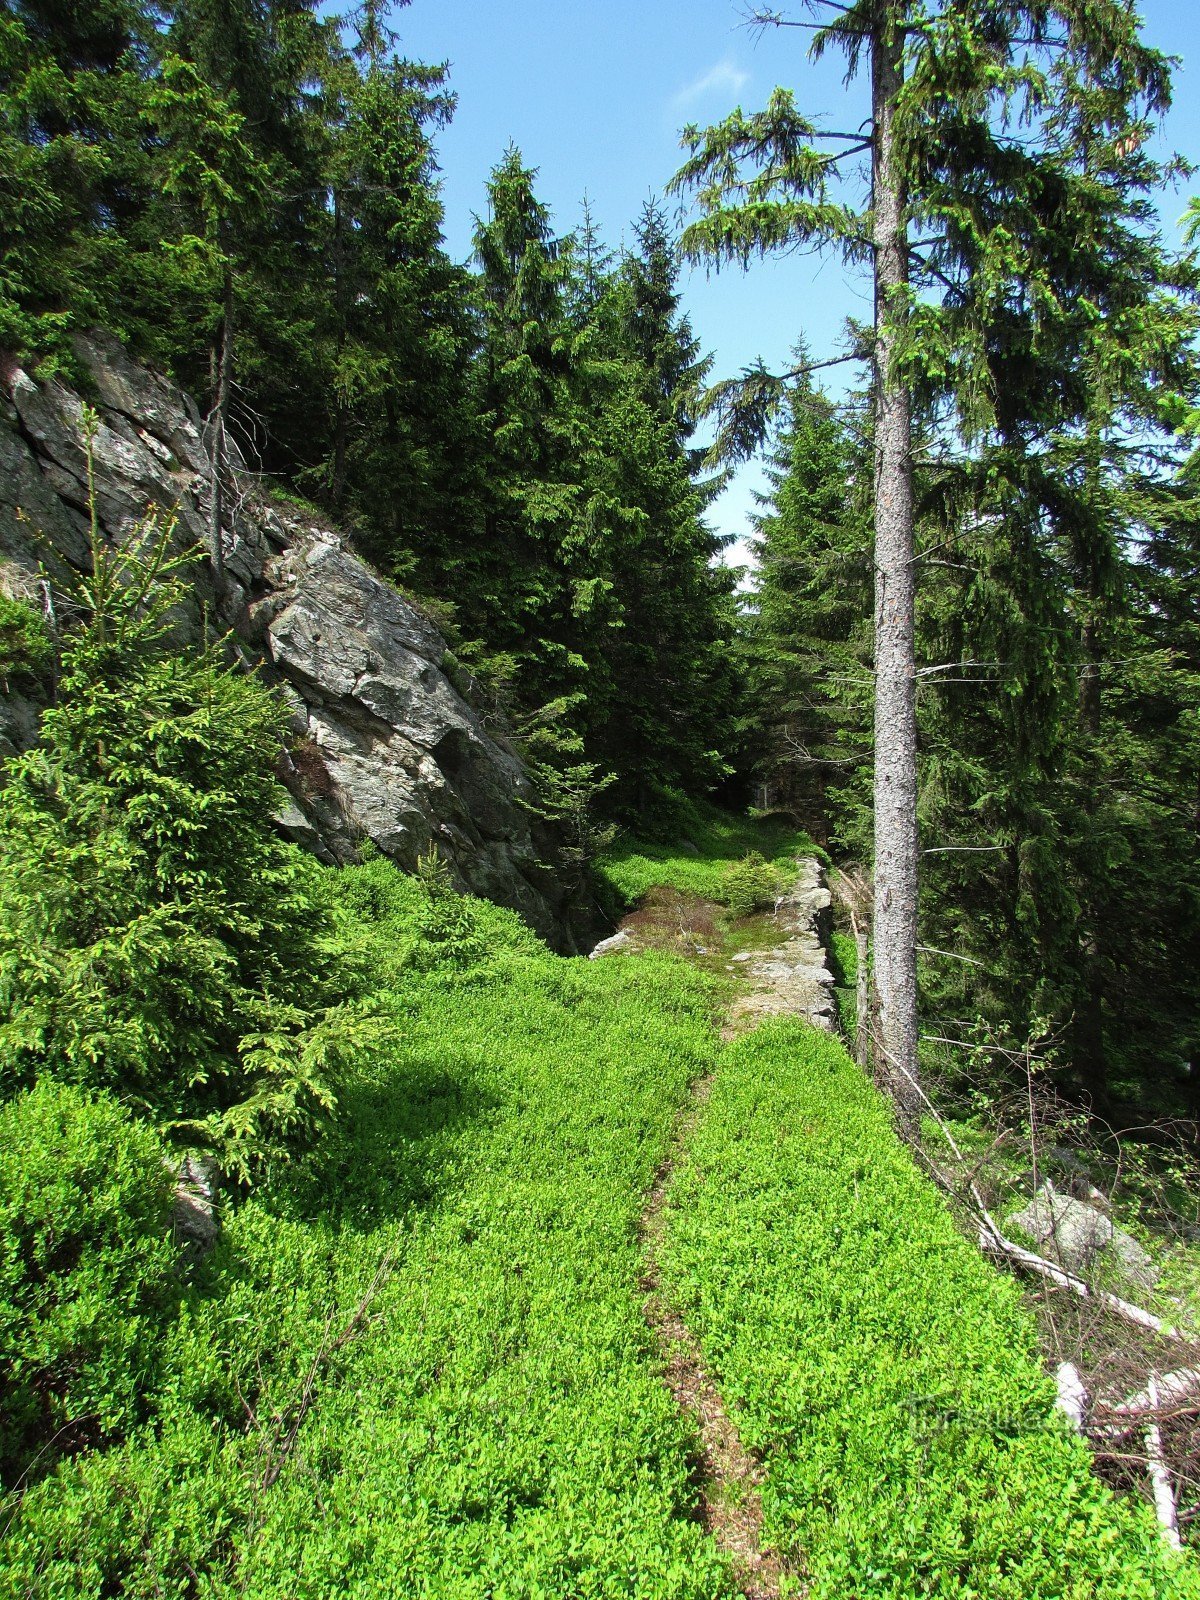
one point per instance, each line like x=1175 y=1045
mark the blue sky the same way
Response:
x=595 y=92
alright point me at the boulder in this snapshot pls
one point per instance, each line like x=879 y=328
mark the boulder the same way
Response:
x=1078 y=1236
x=195 y=1210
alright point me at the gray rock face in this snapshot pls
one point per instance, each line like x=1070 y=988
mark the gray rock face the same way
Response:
x=611 y=946
x=792 y=979
x=1078 y=1235
x=385 y=748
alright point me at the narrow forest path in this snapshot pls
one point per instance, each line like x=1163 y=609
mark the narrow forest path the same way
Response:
x=783 y=972
x=729 y=1476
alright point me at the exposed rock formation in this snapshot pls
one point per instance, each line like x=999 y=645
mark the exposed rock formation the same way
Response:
x=384 y=746
x=194 y=1215
x=1078 y=1236
x=792 y=979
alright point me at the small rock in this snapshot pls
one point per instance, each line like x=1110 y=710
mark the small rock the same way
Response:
x=608 y=947
x=195 y=1214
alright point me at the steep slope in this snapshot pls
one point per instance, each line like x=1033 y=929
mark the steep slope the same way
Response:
x=385 y=747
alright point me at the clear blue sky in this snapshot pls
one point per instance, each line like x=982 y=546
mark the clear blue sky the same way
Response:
x=595 y=92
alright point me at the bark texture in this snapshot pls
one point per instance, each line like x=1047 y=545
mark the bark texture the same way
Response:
x=895 y=681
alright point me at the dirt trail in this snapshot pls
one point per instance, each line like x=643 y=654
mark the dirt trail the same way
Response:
x=729 y=1476
x=787 y=976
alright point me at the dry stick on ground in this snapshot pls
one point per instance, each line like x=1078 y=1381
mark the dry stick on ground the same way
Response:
x=278 y=1448
x=1171 y=1387
x=1160 y=1478
x=992 y=1240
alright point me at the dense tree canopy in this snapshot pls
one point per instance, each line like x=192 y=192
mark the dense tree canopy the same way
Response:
x=248 y=193
x=1031 y=335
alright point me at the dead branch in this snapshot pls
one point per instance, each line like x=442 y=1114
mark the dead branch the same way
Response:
x=993 y=1242
x=278 y=1449
x=1160 y=1478
x=1160 y=1396
x=1072 y=1394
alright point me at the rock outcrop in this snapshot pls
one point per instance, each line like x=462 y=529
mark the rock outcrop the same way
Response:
x=384 y=745
x=792 y=978
x=1079 y=1235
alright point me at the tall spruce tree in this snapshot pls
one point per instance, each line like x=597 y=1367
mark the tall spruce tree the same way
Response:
x=806 y=639
x=396 y=332
x=982 y=120
x=515 y=594
x=74 y=170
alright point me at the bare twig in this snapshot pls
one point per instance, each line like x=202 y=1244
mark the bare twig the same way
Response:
x=279 y=1448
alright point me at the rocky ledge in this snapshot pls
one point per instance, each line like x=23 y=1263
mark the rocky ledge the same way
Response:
x=384 y=746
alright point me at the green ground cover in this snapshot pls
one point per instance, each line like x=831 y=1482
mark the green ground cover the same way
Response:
x=843 y=963
x=700 y=863
x=495 y=1425
x=887 y=1375
x=416 y=1363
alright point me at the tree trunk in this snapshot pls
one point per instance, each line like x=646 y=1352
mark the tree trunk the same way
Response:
x=895 y=680
x=223 y=374
x=1088 y=1032
x=340 y=418
x=1090 y=559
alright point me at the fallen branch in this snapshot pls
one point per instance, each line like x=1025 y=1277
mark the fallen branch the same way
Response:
x=994 y=1242
x=1170 y=1388
x=1160 y=1478
x=277 y=1450
x=1072 y=1395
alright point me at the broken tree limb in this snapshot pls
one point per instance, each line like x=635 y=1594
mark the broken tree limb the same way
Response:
x=994 y=1242
x=1170 y=1388
x=1072 y=1395
x=1160 y=1478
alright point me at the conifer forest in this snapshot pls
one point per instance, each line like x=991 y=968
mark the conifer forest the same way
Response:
x=550 y=1049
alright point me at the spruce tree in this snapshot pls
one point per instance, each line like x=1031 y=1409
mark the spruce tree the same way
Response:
x=982 y=119
x=74 y=170
x=157 y=939
x=806 y=639
x=396 y=334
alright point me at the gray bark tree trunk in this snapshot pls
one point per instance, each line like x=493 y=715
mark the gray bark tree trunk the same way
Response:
x=895 y=797
x=223 y=378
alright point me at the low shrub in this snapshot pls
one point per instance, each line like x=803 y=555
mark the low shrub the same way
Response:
x=751 y=884
x=87 y=1275
x=494 y=1424
x=26 y=648
x=843 y=963
x=886 y=1374
x=715 y=842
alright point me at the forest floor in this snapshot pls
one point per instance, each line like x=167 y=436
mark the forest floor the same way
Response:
x=777 y=962
x=577 y=1300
